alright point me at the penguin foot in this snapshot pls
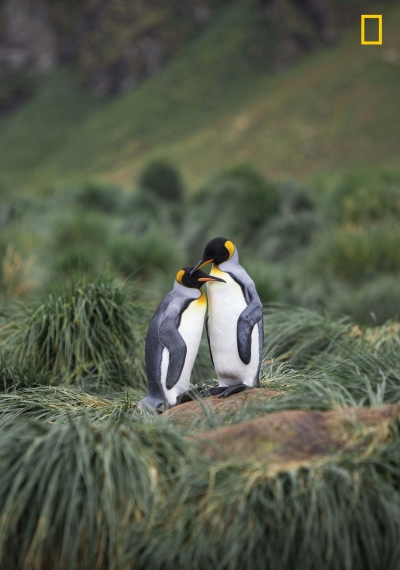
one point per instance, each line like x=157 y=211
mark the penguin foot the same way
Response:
x=151 y=406
x=213 y=391
x=188 y=396
x=232 y=390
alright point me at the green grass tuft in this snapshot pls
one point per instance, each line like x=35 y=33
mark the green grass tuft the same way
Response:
x=75 y=495
x=89 y=329
x=297 y=334
x=355 y=254
x=163 y=180
x=342 y=515
x=90 y=482
x=99 y=197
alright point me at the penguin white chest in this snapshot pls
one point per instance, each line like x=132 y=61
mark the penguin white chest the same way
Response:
x=226 y=303
x=190 y=329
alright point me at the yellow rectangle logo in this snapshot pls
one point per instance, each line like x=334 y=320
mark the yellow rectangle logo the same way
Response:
x=377 y=42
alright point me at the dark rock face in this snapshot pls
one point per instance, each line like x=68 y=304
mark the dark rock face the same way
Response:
x=287 y=29
x=28 y=46
x=28 y=41
x=118 y=43
x=122 y=42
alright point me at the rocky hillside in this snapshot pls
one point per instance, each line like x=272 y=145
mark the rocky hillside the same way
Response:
x=117 y=43
x=222 y=102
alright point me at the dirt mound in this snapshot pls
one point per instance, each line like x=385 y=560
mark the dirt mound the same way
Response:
x=185 y=414
x=286 y=440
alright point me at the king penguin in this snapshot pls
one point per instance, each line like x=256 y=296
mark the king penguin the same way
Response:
x=235 y=321
x=173 y=340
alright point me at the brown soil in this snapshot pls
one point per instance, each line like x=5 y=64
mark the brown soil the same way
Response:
x=287 y=440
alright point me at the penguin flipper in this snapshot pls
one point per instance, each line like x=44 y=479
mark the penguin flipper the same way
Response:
x=249 y=317
x=176 y=346
x=208 y=339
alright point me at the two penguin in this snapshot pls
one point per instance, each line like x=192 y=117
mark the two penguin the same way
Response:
x=234 y=330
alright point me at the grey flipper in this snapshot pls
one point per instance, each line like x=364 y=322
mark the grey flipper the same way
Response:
x=257 y=383
x=252 y=314
x=172 y=340
x=208 y=340
x=249 y=317
x=169 y=309
x=153 y=353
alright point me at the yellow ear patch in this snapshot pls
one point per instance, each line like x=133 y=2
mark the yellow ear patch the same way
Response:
x=179 y=276
x=230 y=247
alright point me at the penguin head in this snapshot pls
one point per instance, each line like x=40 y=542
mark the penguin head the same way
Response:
x=216 y=251
x=194 y=279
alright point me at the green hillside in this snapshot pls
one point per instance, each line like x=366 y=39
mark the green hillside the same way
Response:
x=210 y=108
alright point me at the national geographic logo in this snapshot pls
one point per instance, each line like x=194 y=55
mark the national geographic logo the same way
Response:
x=371 y=42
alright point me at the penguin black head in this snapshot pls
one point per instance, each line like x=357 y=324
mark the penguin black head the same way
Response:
x=194 y=279
x=216 y=251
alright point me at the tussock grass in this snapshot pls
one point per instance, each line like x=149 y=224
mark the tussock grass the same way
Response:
x=145 y=255
x=122 y=494
x=355 y=254
x=20 y=377
x=297 y=333
x=352 y=377
x=78 y=243
x=163 y=180
x=236 y=202
x=15 y=276
x=340 y=515
x=287 y=235
x=385 y=337
x=360 y=197
x=329 y=363
x=98 y=197
x=90 y=482
x=89 y=329
x=74 y=494
x=55 y=404
x=375 y=302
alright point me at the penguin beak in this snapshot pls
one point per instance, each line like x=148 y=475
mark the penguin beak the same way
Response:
x=203 y=277
x=211 y=279
x=200 y=265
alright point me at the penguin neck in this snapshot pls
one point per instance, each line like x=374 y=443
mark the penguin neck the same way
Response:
x=231 y=264
x=188 y=292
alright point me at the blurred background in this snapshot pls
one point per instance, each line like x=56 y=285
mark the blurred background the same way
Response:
x=131 y=132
